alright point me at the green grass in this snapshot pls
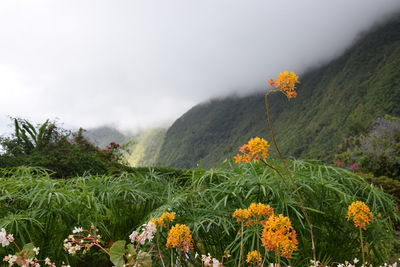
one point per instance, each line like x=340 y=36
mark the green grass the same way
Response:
x=36 y=208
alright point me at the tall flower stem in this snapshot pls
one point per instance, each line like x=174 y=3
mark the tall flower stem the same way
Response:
x=241 y=245
x=172 y=257
x=362 y=246
x=159 y=251
x=294 y=188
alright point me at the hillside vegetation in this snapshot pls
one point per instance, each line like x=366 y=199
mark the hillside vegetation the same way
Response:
x=144 y=148
x=104 y=135
x=335 y=101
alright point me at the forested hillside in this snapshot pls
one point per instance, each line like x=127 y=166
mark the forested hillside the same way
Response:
x=336 y=100
x=144 y=148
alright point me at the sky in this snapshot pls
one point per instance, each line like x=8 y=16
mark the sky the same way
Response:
x=136 y=64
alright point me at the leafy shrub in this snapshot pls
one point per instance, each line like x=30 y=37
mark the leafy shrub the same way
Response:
x=377 y=151
x=51 y=147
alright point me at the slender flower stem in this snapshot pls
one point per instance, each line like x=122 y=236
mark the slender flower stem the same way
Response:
x=293 y=185
x=362 y=246
x=241 y=245
x=105 y=251
x=159 y=251
x=172 y=257
x=279 y=259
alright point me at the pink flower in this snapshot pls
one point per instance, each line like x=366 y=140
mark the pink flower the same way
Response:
x=353 y=167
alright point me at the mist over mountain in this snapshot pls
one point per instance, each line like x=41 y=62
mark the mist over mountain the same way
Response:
x=336 y=100
x=104 y=135
x=136 y=64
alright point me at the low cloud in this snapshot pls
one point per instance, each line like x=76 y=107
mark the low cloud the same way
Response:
x=135 y=64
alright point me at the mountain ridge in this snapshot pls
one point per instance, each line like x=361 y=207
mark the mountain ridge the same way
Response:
x=335 y=100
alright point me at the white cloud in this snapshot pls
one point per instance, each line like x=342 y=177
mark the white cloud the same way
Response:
x=137 y=63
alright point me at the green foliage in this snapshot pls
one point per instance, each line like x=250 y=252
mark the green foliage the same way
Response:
x=389 y=185
x=42 y=210
x=144 y=148
x=102 y=136
x=336 y=100
x=377 y=151
x=51 y=147
x=117 y=253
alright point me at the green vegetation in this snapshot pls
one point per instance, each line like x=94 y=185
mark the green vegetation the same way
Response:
x=103 y=136
x=144 y=148
x=281 y=208
x=377 y=151
x=39 y=209
x=335 y=101
x=64 y=153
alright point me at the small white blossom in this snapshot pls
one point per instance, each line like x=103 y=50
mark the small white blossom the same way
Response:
x=36 y=250
x=11 y=259
x=133 y=236
x=215 y=263
x=77 y=230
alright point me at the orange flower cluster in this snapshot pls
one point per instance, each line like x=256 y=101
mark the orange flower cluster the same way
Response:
x=166 y=217
x=360 y=213
x=241 y=215
x=253 y=257
x=256 y=213
x=279 y=235
x=180 y=237
x=256 y=149
x=286 y=83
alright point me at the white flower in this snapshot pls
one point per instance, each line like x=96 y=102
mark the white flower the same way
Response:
x=30 y=261
x=133 y=236
x=196 y=255
x=77 y=230
x=3 y=239
x=47 y=261
x=10 y=238
x=356 y=260
x=36 y=250
x=215 y=263
x=206 y=259
x=11 y=259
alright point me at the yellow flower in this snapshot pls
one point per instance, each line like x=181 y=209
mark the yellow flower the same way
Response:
x=360 y=213
x=166 y=217
x=179 y=236
x=256 y=213
x=241 y=215
x=279 y=235
x=253 y=257
x=256 y=149
x=286 y=83
x=260 y=209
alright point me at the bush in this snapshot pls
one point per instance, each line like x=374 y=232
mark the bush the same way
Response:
x=66 y=154
x=377 y=151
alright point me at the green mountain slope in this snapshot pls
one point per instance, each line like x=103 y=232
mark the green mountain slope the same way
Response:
x=104 y=135
x=336 y=100
x=144 y=148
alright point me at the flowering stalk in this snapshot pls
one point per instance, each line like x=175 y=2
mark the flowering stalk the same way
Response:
x=362 y=246
x=83 y=239
x=294 y=187
x=241 y=244
x=361 y=215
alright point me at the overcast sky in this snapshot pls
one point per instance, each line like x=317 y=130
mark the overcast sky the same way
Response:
x=134 y=64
